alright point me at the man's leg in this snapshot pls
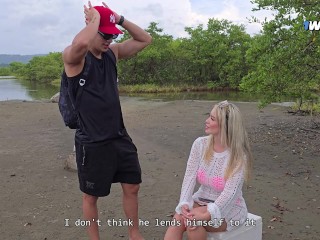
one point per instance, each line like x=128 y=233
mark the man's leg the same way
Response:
x=90 y=212
x=130 y=207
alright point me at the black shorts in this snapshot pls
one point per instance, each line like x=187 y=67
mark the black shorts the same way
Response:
x=100 y=166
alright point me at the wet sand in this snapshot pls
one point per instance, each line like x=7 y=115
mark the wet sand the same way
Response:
x=38 y=194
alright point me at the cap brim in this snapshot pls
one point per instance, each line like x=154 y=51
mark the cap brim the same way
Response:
x=110 y=30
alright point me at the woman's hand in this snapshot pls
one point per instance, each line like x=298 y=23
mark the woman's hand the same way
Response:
x=185 y=210
x=184 y=213
x=194 y=214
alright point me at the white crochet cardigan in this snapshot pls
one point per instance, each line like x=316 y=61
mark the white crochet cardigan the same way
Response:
x=227 y=196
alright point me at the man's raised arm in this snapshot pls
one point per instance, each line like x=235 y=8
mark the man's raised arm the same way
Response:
x=73 y=55
x=140 y=39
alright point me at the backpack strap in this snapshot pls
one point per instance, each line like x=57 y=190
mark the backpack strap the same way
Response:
x=82 y=82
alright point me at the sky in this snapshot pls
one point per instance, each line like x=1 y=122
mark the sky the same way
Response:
x=43 y=26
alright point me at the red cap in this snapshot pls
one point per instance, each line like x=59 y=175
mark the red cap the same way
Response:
x=107 y=21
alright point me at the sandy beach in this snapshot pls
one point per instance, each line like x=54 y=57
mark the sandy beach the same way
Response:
x=40 y=200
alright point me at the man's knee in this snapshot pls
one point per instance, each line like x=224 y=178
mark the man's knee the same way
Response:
x=130 y=189
x=89 y=199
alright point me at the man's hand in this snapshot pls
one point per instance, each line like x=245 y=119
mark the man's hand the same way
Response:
x=138 y=41
x=89 y=12
x=117 y=16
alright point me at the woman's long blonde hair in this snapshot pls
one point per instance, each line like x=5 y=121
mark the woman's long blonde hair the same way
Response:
x=233 y=135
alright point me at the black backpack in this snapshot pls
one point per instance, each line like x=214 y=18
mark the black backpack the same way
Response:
x=68 y=104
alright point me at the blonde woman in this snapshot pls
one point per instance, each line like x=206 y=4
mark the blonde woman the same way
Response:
x=220 y=163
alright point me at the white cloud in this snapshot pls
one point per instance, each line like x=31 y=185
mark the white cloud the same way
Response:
x=236 y=11
x=30 y=27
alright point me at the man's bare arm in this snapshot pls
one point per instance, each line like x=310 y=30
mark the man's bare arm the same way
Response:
x=73 y=55
x=140 y=39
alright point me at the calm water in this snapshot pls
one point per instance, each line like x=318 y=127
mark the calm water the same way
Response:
x=10 y=89
x=13 y=89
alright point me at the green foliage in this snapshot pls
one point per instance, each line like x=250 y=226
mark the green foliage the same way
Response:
x=16 y=68
x=5 y=71
x=43 y=69
x=148 y=88
x=151 y=65
x=215 y=54
x=284 y=60
x=218 y=53
x=309 y=106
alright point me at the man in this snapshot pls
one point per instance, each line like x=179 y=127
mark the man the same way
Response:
x=104 y=151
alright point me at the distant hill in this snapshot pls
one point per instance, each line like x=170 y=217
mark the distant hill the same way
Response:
x=6 y=59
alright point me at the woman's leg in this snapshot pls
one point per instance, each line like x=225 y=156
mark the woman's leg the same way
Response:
x=200 y=232
x=176 y=232
x=223 y=226
x=196 y=233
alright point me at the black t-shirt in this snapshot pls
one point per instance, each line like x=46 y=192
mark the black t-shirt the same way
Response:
x=99 y=109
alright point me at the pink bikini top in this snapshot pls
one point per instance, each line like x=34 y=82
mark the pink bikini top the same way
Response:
x=217 y=183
